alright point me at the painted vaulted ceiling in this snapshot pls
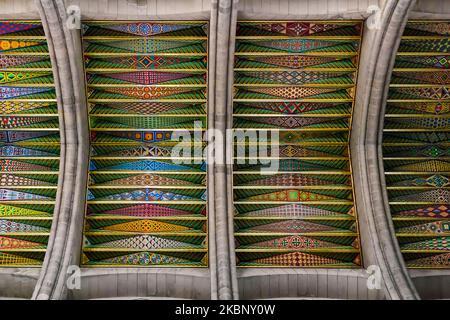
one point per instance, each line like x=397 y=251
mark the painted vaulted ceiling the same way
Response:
x=29 y=144
x=416 y=145
x=146 y=82
x=298 y=79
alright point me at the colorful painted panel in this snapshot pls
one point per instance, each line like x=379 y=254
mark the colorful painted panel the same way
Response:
x=146 y=84
x=29 y=144
x=297 y=80
x=416 y=145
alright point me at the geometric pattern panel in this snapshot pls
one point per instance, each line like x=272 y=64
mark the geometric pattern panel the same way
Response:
x=298 y=79
x=416 y=145
x=146 y=84
x=29 y=144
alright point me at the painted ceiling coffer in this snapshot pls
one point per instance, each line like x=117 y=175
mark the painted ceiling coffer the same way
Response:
x=296 y=80
x=29 y=144
x=146 y=84
x=416 y=144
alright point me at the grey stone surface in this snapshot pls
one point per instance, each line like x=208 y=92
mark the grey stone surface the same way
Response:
x=305 y=9
x=432 y=284
x=223 y=275
x=380 y=246
x=431 y=9
x=18 y=283
x=65 y=235
x=143 y=283
x=270 y=283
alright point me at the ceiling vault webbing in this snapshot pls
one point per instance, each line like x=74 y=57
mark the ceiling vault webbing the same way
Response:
x=146 y=82
x=29 y=144
x=416 y=144
x=297 y=78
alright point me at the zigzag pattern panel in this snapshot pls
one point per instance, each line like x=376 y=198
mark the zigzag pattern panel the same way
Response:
x=416 y=145
x=296 y=79
x=29 y=144
x=146 y=84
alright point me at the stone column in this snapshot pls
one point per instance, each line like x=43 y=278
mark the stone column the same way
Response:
x=379 y=243
x=64 y=245
x=221 y=57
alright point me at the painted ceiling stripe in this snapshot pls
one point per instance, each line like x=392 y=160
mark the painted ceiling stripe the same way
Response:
x=311 y=191
x=415 y=145
x=139 y=198
x=29 y=144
